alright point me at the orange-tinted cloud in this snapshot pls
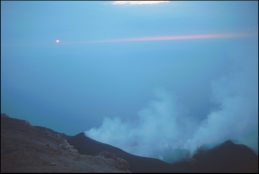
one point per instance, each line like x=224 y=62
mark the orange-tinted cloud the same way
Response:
x=137 y=2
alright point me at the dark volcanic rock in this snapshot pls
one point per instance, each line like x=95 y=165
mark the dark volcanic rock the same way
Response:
x=25 y=148
x=228 y=157
x=88 y=146
x=225 y=158
x=116 y=162
x=107 y=154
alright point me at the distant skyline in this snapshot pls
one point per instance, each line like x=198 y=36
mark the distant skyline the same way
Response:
x=134 y=74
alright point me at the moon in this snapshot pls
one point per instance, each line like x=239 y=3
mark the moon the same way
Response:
x=57 y=41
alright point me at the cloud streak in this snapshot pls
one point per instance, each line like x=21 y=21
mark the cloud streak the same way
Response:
x=169 y=38
x=138 y=2
x=148 y=39
x=185 y=37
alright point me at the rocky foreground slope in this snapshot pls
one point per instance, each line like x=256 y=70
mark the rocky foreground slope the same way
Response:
x=26 y=148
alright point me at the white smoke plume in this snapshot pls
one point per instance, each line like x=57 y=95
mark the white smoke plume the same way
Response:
x=164 y=130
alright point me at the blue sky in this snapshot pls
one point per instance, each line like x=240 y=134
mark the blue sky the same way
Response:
x=176 y=93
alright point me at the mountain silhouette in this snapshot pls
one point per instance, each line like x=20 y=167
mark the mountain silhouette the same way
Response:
x=88 y=146
x=227 y=157
x=32 y=149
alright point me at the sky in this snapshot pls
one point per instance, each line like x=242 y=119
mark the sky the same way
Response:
x=156 y=79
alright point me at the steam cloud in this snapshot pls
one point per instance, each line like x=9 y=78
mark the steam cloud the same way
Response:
x=163 y=130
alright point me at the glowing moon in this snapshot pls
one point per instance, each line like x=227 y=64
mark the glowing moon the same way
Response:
x=57 y=41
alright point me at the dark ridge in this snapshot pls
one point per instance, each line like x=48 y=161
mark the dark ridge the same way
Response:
x=29 y=149
x=88 y=146
x=227 y=157
x=52 y=131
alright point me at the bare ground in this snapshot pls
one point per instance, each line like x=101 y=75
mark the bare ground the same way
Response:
x=25 y=148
